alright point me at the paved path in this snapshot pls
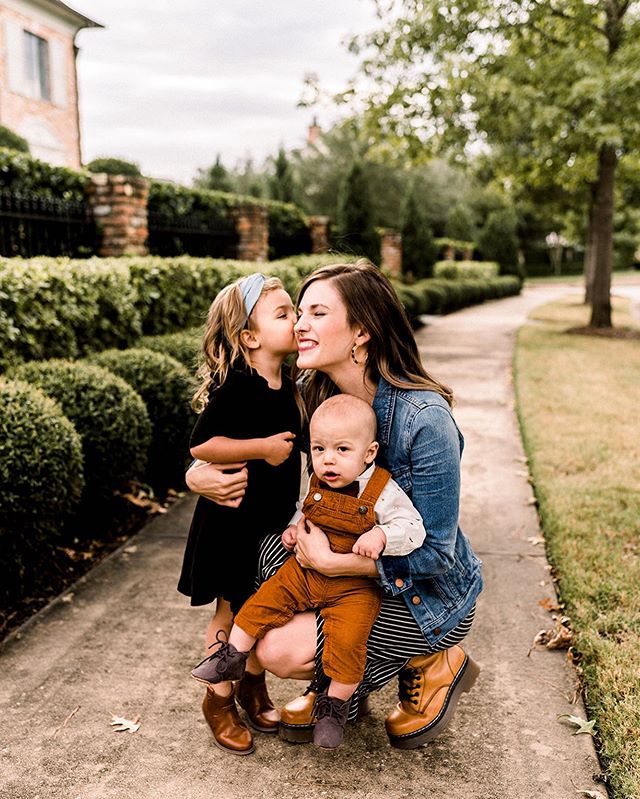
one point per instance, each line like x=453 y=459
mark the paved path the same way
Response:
x=122 y=640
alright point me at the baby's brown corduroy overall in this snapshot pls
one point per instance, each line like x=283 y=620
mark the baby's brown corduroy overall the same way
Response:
x=348 y=605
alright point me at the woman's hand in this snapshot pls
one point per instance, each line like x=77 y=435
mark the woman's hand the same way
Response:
x=212 y=481
x=312 y=546
x=313 y=552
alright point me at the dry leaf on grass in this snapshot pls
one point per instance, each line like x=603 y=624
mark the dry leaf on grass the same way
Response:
x=558 y=637
x=592 y=794
x=535 y=540
x=125 y=725
x=549 y=604
x=583 y=725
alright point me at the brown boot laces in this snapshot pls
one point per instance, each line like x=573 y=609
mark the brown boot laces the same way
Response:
x=410 y=683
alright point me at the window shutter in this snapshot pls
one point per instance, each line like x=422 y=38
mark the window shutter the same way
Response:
x=58 y=72
x=14 y=55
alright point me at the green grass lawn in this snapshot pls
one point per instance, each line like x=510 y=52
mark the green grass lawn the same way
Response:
x=579 y=404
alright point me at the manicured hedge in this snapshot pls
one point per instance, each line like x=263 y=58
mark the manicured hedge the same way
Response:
x=434 y=296
x=21 y=172
x=109 y=415
x=40 y=481
x=182 y=346
x=288 y=230
x=57 y=307
x=464 y=270
x=164 y=385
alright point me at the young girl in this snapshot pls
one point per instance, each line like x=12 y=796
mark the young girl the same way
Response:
x=249 y=415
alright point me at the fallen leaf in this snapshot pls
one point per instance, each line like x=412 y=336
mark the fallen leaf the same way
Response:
x=523 y=473
x=534 y=540
x=549 y=604
x=592 y=794
x=583 y=725
x=124 y=725
x=130 y=550
x=558 y=637
x=67 y=597
x=531 y=501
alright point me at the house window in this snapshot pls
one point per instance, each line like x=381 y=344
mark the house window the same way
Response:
x=36 y=54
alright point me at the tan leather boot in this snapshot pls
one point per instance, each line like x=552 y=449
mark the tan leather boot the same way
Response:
x=252 y=696
x=296 y=717
x=430 y=687
x=229 y=733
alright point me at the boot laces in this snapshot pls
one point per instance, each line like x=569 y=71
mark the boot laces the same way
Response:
x=223 y=651
x=328 y=707
x=410 y=683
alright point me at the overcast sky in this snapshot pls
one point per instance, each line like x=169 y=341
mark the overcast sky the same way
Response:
x=170 y=84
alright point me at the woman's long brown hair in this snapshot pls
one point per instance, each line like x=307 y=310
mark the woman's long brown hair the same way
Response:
x=373 y=305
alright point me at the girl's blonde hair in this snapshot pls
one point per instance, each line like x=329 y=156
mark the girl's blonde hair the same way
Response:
x=222 y=346
x=373 y=305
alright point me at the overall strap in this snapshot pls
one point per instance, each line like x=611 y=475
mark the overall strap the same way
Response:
x=376 y=484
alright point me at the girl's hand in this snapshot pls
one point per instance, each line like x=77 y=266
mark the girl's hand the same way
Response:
x=290 y=537
x=312 y=547
x=278 y=448
x=212 y=481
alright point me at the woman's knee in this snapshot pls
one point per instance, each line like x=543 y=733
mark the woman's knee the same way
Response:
x=289 y=651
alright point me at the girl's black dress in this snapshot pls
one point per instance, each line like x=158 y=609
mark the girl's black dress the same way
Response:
x=221 y=555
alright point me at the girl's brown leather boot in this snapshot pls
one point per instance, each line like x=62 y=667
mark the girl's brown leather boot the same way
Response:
x=252 y=696
x=229 y=733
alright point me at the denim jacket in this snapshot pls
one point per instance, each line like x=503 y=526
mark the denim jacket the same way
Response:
x=421 y=446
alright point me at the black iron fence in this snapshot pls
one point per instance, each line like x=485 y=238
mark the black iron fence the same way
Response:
x=32 y=225
x=196 y=234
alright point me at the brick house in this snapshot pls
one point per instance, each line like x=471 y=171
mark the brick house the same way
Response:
x=38 y=81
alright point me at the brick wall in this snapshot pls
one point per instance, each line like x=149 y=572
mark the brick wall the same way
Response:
x=119 y=205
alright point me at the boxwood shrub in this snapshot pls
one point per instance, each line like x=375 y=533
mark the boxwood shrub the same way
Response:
x=464 y=270
x=183 y=346
x=21 y=172
x=164 y=385
x=109 y=415
x=62 y=308
x=41 y=480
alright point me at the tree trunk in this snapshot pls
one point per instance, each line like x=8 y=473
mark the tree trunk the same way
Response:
x=603 y=232
x=590 y=248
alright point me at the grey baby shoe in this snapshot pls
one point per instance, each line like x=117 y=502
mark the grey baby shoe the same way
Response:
x=331 y=717
x=226 y=663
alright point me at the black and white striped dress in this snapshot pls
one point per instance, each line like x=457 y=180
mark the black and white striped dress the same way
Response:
x=394 y=639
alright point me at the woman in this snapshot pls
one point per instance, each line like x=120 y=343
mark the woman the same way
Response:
x=354 y=338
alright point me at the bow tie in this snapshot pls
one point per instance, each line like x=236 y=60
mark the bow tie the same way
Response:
x=351 y=490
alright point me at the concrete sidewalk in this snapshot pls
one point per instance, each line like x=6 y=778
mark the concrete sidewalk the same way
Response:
x=121 y=643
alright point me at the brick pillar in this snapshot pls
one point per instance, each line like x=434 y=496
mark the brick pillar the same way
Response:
x=252 y=227
x=449 y=253
x=119 y=204
x=391 y=252
x=467 y=254
x=319 y=230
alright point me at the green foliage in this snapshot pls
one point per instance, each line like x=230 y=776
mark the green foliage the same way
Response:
x=21 y=172
x=461 y=223
x=499 y=241
x=418 y=248
x=114 y=166
x=433 y=296
x=356 y=231
x=288 y=230
x=171 y=200
x=40 y=482
x=214 y=177
x=282 y=182
x=53 y=308
x=109 y=416
x=463 y=270
x=182 y=346
x=12 y=141
x=164 y=385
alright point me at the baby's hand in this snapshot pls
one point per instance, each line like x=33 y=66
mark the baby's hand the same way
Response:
x=290 y=538
x=371 y=544
x=278 y=448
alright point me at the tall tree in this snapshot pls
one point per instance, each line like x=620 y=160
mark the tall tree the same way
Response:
x=356 y=231
x=418 y=248
x=214 y=177
x=548 y=81
x=282 y=182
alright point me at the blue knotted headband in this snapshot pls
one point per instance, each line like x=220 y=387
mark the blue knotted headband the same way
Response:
x=251 y=288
